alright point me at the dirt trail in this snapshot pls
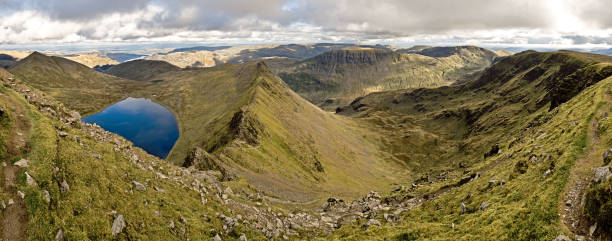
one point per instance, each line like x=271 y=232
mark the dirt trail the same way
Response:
x=571 y=206
x=15 y=216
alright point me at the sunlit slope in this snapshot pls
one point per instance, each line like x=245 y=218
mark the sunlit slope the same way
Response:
x=546 y=112
x=256 y=127
x=74 y=84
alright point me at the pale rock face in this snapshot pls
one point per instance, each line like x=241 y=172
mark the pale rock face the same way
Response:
x=22 y=163
x=602 y=174
x=64 y=187
x=118 y=225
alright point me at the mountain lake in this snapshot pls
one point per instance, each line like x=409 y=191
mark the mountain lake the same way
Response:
x=145 y=123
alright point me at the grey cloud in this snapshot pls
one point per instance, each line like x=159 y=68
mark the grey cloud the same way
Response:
x=596 y=12
x=424 y=16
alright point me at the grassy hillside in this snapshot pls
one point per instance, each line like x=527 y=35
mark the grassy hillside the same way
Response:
x=497 y=156
x=140 y=69
x=74 y=84
x=255 y=127
x=102 y=173
x=334 y=78
x=537 y=109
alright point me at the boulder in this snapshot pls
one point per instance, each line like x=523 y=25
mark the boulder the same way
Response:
x=47 y=196
x=62 y=134
x=159 y=189
x=371 y=222
x=21 y=194
x=607 y=156
x=139 y=186
x=602 y=174
x=243 y=237
x=118 y=225
x=562 y=237
x=22 y=163
x=592 y=229
x=60 y=235
x=30 y=180
x=64 y=187
x=217 y=238
x=484 y=206
x=546 y=173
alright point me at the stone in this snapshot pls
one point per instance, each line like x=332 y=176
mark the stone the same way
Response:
x=462 y=208
x=64 y=187
x=30 y=180
x=97 y=156
x=139 y=186
x=159 y=189
x=22 y=163
x=171 y=225
x=592 y=229
x=243 y=237
x=182 y=219
x=562 y=237
x=11 y=202
x=21 y=194
x=3 y=164
x=546 y=173
x=602 y=174
x=118 y=225
x=484 y=206
x=607 y=156
x=580 y=238
x=47 y=196
x=3 y=204
x=217 y=238
x=62 y=134
x=60 y=235
x=492 y=182
x=371 y=222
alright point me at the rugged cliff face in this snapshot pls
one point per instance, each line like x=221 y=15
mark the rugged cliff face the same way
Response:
x=334 y=78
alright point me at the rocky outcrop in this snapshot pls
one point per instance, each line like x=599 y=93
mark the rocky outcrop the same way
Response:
x=244 y=127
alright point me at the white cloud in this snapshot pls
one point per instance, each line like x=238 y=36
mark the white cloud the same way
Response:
x=481 y=22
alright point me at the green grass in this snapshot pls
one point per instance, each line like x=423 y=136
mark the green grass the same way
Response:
x=526 y=207
x=99 y=186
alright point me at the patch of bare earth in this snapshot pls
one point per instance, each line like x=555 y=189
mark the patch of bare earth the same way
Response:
x=15 y=216
x=571 y=206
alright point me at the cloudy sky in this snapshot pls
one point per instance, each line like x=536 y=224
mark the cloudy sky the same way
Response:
x=538 y=23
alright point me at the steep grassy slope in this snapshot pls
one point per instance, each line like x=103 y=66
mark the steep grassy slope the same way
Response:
x=140 y=69
x=255 y=127
x=100 y=171
x=537 y=109
x=335 y=78
x=469 y=118
x=252 y=125
x=72 y=83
